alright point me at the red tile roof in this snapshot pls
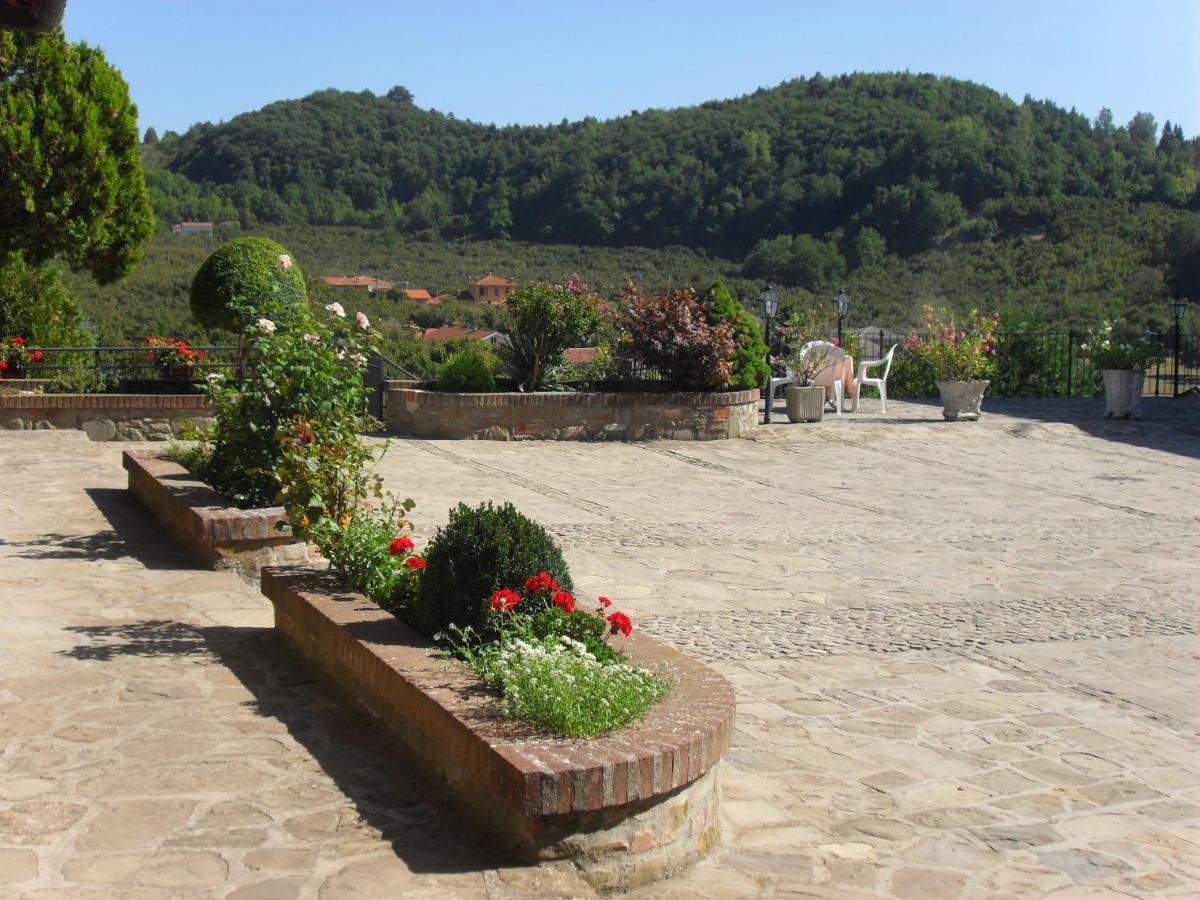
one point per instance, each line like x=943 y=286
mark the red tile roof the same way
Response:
x=450 y=332
x=490 y=279
x=358 y=281
x=580 y=356
x=419 y=294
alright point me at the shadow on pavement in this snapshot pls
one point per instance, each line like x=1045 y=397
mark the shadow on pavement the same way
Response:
x=131 y=535
x=389 y=790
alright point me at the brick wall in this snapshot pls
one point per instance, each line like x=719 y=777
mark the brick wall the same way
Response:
x=106 y=417
x=571 y=416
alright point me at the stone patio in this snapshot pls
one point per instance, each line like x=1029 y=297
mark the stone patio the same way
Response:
x=965 y=658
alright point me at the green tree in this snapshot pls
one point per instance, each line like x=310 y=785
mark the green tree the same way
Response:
x=35 y=305
x=750 y=369
x=71 y=181
x=245 y=279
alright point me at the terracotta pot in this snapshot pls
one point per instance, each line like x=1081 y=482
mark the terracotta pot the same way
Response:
x=175 y=373
x=961 y=399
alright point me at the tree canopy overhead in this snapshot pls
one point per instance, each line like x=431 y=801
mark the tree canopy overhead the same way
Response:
x=71 y=182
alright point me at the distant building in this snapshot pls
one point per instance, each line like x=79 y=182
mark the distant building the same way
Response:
x=490 y=288
x=418 y=295
x=192 y=228
x=451 y=332
x=580 y=357
x=368 y=283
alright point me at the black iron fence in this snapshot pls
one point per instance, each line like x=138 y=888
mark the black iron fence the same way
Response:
x=1041 y=364
x=100 y=367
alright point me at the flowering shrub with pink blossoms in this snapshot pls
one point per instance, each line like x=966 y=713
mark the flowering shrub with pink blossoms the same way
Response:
x=955 y=349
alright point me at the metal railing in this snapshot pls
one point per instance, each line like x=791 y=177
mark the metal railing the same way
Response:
x=113 y=364
x=1045 y=364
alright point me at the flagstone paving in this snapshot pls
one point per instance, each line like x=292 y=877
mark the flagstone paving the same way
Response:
x=965 y=657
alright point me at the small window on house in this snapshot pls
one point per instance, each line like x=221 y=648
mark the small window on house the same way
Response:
x=483 y=292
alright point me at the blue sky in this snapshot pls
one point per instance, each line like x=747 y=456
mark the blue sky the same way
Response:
x=533 y=62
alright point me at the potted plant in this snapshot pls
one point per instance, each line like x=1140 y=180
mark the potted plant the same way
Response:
x=1122 y=356
x=960 y=355
x=806 y=400
x=173 y=358
x=15 y=357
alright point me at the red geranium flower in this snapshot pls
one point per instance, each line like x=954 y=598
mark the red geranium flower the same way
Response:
x=604 y=601
x=564 y=601
x=3 y=365
x=400 y=545
x=414 y=562
x=618 y=621
x=18 y=340
x=36 y=356
x=540 y=582
x=504 y=600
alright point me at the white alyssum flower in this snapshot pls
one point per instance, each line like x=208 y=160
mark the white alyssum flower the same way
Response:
x=266 y=325
x=363 y=322
x=337 y=309
x=285 y=261
x=214 y=377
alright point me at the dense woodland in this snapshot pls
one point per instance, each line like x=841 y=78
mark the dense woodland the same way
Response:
x=909 y=189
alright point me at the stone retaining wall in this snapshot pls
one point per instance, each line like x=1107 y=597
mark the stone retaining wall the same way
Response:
x=215 y=534
x=106 y=417
x=570 y=416
x=625 y=809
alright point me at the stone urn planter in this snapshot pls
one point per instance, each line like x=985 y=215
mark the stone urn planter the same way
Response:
x=1122 y=393
x=805 y=403
x=961 y=399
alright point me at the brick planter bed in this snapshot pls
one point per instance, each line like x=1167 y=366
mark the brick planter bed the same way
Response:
x=216 y=534
x=106 y=417
x=571 y=416
x=625 y=809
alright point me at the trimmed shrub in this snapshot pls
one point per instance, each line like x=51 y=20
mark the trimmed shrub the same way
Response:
x=481 y=550
x=465 y=371
x=243 y=281
x=750 y=369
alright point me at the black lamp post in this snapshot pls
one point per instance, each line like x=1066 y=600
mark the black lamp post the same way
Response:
x=770 y=306
x=1178 y=308
x=842 y=304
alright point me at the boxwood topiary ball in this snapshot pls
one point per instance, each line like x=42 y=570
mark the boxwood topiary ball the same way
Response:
x=245 y=280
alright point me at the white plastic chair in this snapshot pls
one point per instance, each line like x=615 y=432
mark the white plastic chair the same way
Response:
x=879 y=382
x=774 y=383
x=824 y=375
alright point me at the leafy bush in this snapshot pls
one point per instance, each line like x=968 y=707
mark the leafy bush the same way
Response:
x=371 y=553
x=288 y=431
x=465 y=371
x=956 y=351
x=546 y=321
x=249 y=279
x=670 y=333
x=479 y=551
x=750 y=369
x=1118 y=345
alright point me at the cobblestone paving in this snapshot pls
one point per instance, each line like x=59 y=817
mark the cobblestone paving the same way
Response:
x=789 y=633
x=965 y=660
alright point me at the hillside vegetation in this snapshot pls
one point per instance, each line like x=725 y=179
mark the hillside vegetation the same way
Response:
x=908 y=188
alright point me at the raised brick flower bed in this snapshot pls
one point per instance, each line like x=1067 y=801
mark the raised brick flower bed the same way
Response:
x=570 y=416
x=106 y=417
x=626 y=809
x=216 y=534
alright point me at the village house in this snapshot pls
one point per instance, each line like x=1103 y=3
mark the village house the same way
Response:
x=367 y=283
x=490 y=288
x=420 y=295
x=192 y=228
x=452 y=332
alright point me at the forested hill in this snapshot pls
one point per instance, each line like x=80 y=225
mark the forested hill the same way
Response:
x=870 y=163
